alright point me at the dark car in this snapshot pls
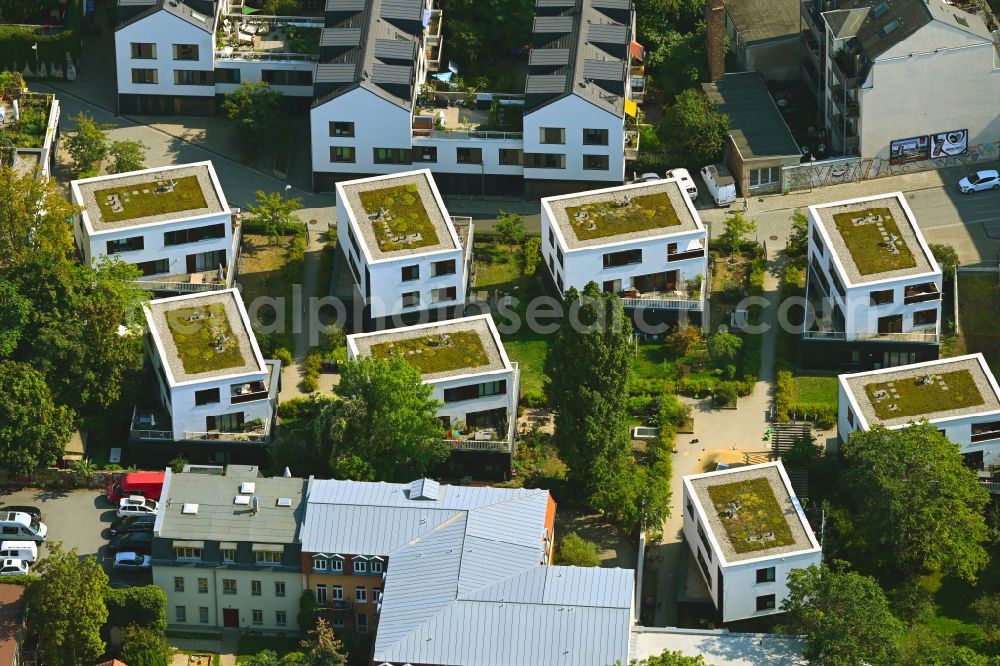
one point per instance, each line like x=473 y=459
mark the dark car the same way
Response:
x=132 y=524
x=32 y=511
x=136 y=542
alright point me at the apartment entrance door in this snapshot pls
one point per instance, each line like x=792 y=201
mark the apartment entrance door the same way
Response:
x=231 y=618
x=890 y=324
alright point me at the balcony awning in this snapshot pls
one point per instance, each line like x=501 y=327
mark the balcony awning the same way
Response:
x=631 y=108
x=268 y=548
x=227 y=545
x=693 y=244
x=189 y=544
x=637 y=50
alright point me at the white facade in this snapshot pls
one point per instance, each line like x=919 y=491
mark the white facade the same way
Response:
x=163 y=30
x=734 y=585
x=975 y=433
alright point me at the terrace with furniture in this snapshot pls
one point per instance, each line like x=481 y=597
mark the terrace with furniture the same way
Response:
x=269 y=38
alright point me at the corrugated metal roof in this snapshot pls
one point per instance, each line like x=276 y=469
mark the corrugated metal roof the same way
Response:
x=334 y=73
x=395 y=49
x=552 y=24
x=545 y=83
x=391 y=74
x=406 y=10
x=607 y=33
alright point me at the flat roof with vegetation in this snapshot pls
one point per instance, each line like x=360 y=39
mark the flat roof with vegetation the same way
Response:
x=143 y=197
x=948 y=388
x=398 y=215
x=30 y=130
x=874 y=239
x=622 y=213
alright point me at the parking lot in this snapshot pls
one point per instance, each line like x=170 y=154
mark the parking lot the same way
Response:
x=79 y=519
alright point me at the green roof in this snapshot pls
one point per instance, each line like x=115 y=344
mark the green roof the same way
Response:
x=405 y=223
x=29 y=131
x=145 y=199
x=749 y=510
x=204 y=338
x=867 y=241
x=916 y=396
x=600 y=219
x=438 y=352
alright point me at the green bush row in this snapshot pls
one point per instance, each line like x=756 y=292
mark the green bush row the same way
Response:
x=821 y=414
x=532 y=255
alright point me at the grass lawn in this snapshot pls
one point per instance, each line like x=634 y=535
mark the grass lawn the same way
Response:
x=196 y=340
x=951 y=617
x=915 y=398
x=864 y=242
x=979 y=316
x=439 y=352
x=250 y=645
x=261 y=275
x=815 y=390
x=406 y=216
x=608 y=218
x=759 y=512
x=657 y=361
x=528 y=350
x=187 y=195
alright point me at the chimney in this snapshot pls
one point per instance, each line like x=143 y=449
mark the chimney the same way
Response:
x=715 y=38
x=256 y=505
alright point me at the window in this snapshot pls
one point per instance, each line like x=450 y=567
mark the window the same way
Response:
x=595 y=162
x=360 y=566
x=267 y=557
x=337 y=592
x=336 y=565
x=391 y=155
x=194 y=235
x=178 y=584
x=185 y=51
x=187 y=553
x=180 y=614
x=879 y=10
x=228 y=554
x=227 y=75
x=342 y=154
x=446 y=267
x=321 y=594
x=411 y=299
x=690 y=508
x=410 y=273
x=765 y=177
x=287 y=77
x=443 y=294
x=228 y=586
x=595 y=137
x=551 y=135
x=425 y=154
x=924 y=317
x=319 y=565
x=704 y=539
x=202 y=586
x=338 y=623
x=544 y=161
x=469 y=155
x=377 y=566
x=193 y=77
x=837 y=284
x=511 y=157
x=361 y=594
x=882 y=297
x=203 y=614
x=704 y=567
x=144 y=76
x=765 y=575
x=817 y=239
x=280 y=618
x=623 y=258
x=125 y=244
x=255 y=588
x=559 y=282
x=279 y=589
x=143 y=51
x=362 y=623
x=765 y=602
x=850 y=417
x=257 y=616
x=470 y=392
x=889 y=27
x=154 y=267
x=206 y=396
x=552 y=238
x=341 y=128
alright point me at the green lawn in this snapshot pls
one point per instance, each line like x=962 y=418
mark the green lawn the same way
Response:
x=29 y=131
x=657 y=361
x=142 y=199
x=759 y=512
x=609 y=218
x=407 y=215
x=916 y=398
x=815 y=390
x=528 y=350
x=864 y=242
x=979 y=316
x=197 y=341
x=951 y=616
x=497 y=267
x=250 y=645
x=439 y=352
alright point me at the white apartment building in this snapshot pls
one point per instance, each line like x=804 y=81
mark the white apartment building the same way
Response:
x=210 y=383
x=174 y=223
x=643 y=241
x=744 y=551
x=962 y=390
x=464 y=362
x=409 y=259
x=874 y=287
x=869 y=59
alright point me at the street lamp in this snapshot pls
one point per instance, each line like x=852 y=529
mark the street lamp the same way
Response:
x=34 y=47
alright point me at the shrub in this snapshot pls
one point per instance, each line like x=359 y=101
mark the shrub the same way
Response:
x=694 y=387
x=684 y=340
x=732 y=291
x=178 y=464
x=532 y=255
x=574 y=551
x=283 y=355
x=307 y=611
x=757 y=277
x=638 y=404
x=310 y=384
x=144 y=647
x=723 y=349
x=534 y=398
x=725 y=393
x=143 y=606
x=332 y=337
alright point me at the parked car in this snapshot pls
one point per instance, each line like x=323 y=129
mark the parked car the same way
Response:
x=137 y=505
x=131 y=561
x=19 y=550
x=32 y=511
x=140 y=542
x=13 y=567
x=648 y=177
x=720 y=184
x=979 y=181
x=19 y=526
x=684 y=179
x=133 y=524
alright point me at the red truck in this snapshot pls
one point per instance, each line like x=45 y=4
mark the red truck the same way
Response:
x=147 y=484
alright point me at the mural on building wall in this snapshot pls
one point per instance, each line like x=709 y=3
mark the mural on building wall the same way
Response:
x=914 y=149
x=945 y=144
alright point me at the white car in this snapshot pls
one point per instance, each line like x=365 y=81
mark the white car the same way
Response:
x=686 y=182
x=12 y=567
x=979 y=181
x=132 y=562
x=648 y=177
x=136 y=505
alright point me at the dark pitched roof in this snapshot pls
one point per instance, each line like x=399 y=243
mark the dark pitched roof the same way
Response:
x=762 y=20
x=755 y=123
x=579 y=47
x=178 y=9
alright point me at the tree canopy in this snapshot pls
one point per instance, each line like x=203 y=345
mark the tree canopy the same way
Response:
x=144 y=647
x=254 y=108
x=946 y=257
x=575 y=551
x=275 y=212
x=672 y=658
x=693 y=130
x=128 y=156
x=33 y=430
x=477 y=27
x=509 y=227
x=86 y=143
x=322 y=648
x=35 y=219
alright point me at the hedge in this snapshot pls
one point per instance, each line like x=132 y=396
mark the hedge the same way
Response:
x=16 y=41
x=784 y=393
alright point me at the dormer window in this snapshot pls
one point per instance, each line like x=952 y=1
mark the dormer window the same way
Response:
x=337 y=564
x=319 y=565
x=376 y=566
x=360 y=566
x=889 y=27
x=879 y=10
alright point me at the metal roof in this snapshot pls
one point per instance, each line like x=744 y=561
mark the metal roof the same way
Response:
x=548 y=57
x=340 y=37
x=395 y=49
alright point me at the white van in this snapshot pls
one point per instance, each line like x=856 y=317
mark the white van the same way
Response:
x=19 y=550
x=686 y=182
x=15 y=525
x=720 y=184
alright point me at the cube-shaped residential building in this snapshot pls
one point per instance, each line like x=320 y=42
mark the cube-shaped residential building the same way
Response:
x=210 y=383
x=747 y=530
x=644 y=241
x=874 y=288
x=173 y=222
x=957 y=395
x=465 y=363
x=408 y=257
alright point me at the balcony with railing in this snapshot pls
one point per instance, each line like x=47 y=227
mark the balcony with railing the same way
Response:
x=985 y=432
x=637 y=83
x=631 y=144
x=150 y=421
x=846 y=68
x=845 y=133
x=247 y=392
x=433 y=40
x=498 y=439
x=199 y=281
x=921 y=293
x=690 y=298
x=683 y=255
x=257 y=431
x=812 y=18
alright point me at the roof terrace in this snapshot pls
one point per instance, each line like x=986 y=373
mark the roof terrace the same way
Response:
x=27 y=126
x=269 y=38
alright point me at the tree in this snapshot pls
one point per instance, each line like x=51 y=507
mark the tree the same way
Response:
x=275 y=212
x=509 y=228
x=262 y=658
x=145 y=647
x=143 y=606
x=34 y=219
x=672 y=658
x=693 y=130
x=723 y=348
x=33 y=430
x=924 y=646
x=255 y=109
x=797 y=245
x=946 y=257
x=86 y=143
x=914 y=503
x=67 y=600
x=308 y=609
x=737 y=229
x=987 y=611
x=486 y=27
x=323 y=648
x=574 y=551
x=845 y=616
x=384 y=426
x=15 y=310
x=128 y=156
x=676 y=60
x=684 y=340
